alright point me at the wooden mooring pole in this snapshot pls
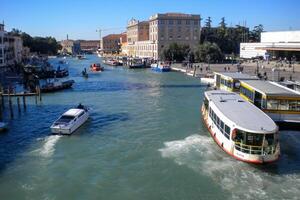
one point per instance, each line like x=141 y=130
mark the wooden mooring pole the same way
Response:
x=10 y=106
x=19 y=106
x=24 y=102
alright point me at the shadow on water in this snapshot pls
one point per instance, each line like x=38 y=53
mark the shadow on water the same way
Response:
x=289 y=161
x=29 y=126
x=108 y=86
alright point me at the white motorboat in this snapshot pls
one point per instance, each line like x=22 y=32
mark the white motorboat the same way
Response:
x=70 y=121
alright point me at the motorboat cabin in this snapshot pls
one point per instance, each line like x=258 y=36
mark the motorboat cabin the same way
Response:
x=70 y=121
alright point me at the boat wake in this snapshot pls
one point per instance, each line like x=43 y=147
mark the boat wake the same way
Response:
x=242 y=180
x=48 y=147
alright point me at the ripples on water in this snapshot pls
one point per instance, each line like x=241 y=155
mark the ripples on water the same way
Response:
x=114 y=155
x=244 y=181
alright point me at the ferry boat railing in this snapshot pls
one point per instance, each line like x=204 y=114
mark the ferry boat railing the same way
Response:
x=255 y=150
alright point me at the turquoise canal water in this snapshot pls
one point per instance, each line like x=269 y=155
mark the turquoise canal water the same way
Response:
x=144 y=140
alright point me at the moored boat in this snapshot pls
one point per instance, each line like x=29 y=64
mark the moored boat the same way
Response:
x=160 y=67
x=70 y=121
x=56 y=86
x=240 y=128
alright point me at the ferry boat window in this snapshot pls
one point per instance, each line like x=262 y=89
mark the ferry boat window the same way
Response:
x=283 y=105
x=227 y=131
x=249 y=94
x=270 y=139
x=250 y=138
x=264 y=103
x=294 y=105
x=205 y=103
x=272 y=104
x=237 y=85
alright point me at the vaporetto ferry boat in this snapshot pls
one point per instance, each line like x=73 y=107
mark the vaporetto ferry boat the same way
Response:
x=240 y=128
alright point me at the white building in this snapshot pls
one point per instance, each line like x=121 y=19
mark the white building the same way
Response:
x=273 y=44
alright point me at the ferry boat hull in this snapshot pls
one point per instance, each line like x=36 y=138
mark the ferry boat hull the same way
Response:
x=229 y=147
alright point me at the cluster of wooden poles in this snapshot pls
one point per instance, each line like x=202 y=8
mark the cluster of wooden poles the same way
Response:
x=12 y=96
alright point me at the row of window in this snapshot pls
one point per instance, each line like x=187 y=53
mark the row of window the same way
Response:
x=172 y=22
x=249 y=94
x=227 y=83
x=225 y=130
x=292 y=105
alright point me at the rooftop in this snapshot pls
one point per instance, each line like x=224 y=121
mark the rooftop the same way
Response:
x=271 y=89
x=236 y=75
x=244 y=114
x=73 y=112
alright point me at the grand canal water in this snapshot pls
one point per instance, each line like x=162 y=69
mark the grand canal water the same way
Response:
x=144 y=140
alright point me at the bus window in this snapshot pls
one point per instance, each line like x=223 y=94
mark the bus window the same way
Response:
x=272 y=104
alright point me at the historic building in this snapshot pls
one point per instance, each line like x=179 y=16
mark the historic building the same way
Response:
x=11 y=48
x=162 y=30
x=111 y=43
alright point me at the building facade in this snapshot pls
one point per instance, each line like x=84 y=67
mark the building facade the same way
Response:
x=70 y=47
x=111 y=43
x=89 y=45
x=164 y=29
x=2 y=32
x=11 y=48
x=273 y=44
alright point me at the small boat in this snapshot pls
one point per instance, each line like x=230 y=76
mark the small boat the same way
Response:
x=111 y=62
x=96 y=67
x=160 y=67
x=208 y=79
x=80 y=57
x=135 y=63
x=3 y=126
x=70 y=121
x=84 y=73
x=240 y=128
x=57 y=85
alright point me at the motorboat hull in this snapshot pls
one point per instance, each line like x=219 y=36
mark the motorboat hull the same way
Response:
x=69 y=129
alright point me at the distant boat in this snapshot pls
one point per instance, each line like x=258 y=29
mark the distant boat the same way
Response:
x=111 y=62
x=96 y=67
x=80 y=57
x=160 y=67
x=57 y=85
x=70 y=121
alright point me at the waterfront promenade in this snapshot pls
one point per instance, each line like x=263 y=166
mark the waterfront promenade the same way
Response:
x=248 y=68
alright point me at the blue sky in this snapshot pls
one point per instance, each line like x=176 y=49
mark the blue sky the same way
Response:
x=81 y=18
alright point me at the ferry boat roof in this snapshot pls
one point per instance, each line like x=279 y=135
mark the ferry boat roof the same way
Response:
x=237 y=75
x=244 y=114
x=73 y=112
x=270 y=88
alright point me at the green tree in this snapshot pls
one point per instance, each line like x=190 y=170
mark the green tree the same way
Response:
x=208 y=52
x=175 y=52
x=255 y=33
x=208 y=23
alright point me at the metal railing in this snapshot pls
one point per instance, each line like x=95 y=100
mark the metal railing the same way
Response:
x=255 y=150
